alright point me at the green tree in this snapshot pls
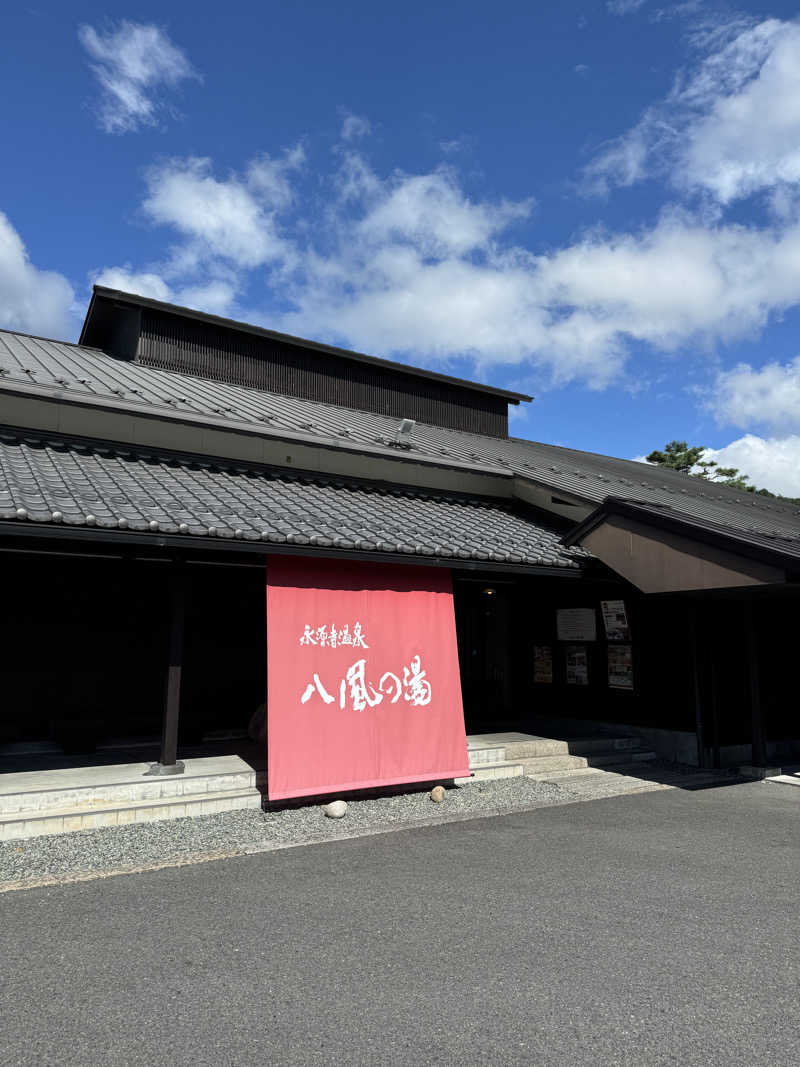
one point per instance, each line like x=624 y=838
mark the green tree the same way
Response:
x=680 y=456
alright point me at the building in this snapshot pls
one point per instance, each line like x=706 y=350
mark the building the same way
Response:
x=148 y=472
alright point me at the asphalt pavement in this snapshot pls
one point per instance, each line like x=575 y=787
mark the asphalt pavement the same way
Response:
x=654 y=929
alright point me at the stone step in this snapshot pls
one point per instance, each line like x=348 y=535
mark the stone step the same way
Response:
x=546 y=764
x=631 y=777
x=573 y=746
x=490 y=771
x=481 y=756
x=90 y=787
x=14 y=827
x=568 y=774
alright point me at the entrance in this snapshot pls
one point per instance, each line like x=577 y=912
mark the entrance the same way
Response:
x=483 y=610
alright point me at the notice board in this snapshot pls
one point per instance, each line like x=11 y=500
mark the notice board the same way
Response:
x=363 y=682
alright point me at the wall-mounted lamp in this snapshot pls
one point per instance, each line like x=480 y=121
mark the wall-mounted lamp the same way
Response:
x=489 y=591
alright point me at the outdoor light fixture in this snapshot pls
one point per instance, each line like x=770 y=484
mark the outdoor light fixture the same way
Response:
x=403 y=434
x=489 y=591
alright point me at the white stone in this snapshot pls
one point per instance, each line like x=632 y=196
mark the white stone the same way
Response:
x=437 y=794
x=336 y=809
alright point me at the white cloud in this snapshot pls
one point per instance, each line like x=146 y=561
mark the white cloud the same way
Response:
x=410 y=264
x=771 y=463
x=216 y=297
x=401 y=280
x=143 y=283
x=624 y=7
x=354 y=127
x=729 y=128
x=232 y=218
x=133 y=63
x=431 y=213
x=31 y=300
x=767 y=396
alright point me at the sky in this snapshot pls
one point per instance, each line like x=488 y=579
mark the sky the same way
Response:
x=595 y=203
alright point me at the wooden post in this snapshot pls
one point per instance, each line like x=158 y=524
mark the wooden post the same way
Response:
x=759 y=756
x=168 y=762
x=697 y=687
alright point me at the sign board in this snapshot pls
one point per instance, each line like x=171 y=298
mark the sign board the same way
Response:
x=577 y=665
x=615 y=620
x=620 y=666
x=576 y=624
x=543 y=664
x=363 y=682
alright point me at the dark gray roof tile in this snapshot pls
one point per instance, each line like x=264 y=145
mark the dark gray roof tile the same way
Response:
x=588 y=476
x=49 y=480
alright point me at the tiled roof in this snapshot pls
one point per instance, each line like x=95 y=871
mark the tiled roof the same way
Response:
x=41 y=365
x=67 y=482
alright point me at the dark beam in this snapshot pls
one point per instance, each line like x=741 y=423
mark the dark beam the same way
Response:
x=697 y=686
x=168 y=762
x=759 y=756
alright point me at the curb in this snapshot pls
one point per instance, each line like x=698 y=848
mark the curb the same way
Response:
x=71 y=878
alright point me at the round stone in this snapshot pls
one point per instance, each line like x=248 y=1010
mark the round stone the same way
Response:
x=336 y=809
x=437 y=794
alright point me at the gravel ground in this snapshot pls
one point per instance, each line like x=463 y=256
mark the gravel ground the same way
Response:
x=176 y=840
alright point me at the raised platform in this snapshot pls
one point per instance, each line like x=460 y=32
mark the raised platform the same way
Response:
x=33 y=803
x=790 y=776
x=58 y=799
x=508 y=755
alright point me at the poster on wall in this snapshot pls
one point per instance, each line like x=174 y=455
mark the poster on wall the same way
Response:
x=363 y=683
x=620 y=666
x=543 y=664
x=576 y=624
x=577 y=665
x=615 y=620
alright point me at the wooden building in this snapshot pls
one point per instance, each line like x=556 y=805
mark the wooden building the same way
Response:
x=148 y=472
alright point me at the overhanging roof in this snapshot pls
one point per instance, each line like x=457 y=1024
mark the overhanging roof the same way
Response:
x=37 y=367
x=771 y=548
x=659 y=551
x=59 y=482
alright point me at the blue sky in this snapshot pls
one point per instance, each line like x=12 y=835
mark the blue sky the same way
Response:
x=597 y=203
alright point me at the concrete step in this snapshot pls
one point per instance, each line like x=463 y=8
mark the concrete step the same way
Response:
x=632 y=778
x=784 y=779
x=490 y=771
x=127 y=783
x=573 y=746
x=568 y=774
x=54 y=820
x=480 y=756
x=548 y=764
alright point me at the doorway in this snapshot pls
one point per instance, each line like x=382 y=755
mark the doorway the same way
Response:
x=483 y=612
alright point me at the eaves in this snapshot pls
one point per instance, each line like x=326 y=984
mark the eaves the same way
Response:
x=667 y=519
x=47 y=408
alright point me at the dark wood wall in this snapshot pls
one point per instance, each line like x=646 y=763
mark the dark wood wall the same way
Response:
x=190 y=347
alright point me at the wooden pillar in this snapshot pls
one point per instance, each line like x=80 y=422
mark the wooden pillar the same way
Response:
x=168 y=762
x=697 y=686
x=759 y=756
